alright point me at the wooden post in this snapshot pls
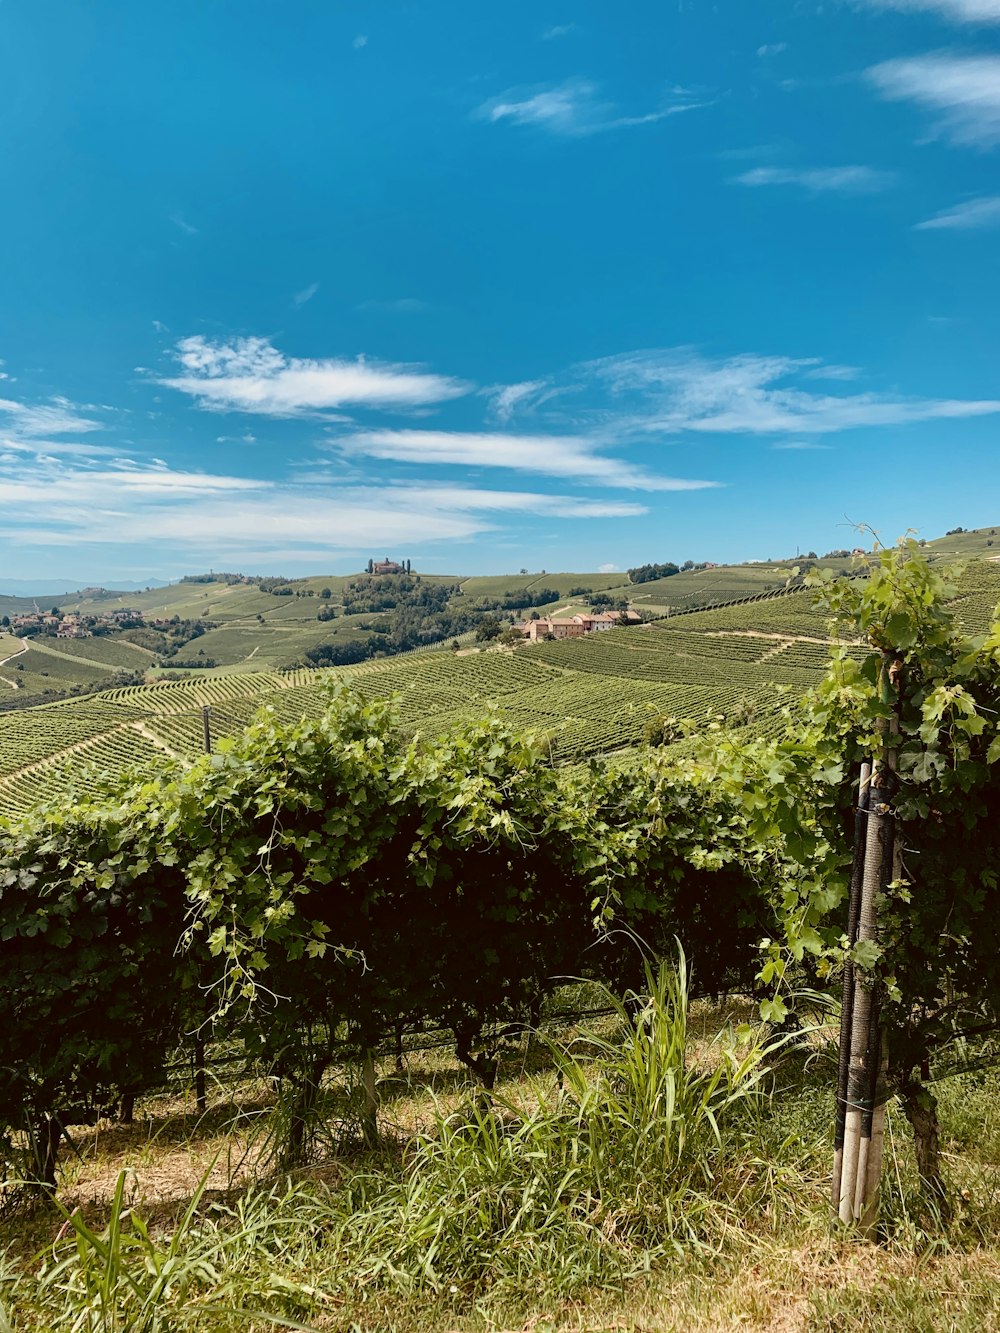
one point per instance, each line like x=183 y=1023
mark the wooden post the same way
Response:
x=861 y=1107
x=206 y=728
x=847 y=1000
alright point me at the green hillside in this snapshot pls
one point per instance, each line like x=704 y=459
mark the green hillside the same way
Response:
x=587 y=696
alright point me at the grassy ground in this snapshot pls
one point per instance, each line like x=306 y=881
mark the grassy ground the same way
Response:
x=760 y=1253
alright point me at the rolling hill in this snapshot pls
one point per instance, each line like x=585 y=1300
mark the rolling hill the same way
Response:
x=743 y=662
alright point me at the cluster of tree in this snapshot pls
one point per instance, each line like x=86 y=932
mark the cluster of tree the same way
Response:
x=603 y=601
x=518 y=600
x=646 y=573
x=345 y=653
x=174 y=635
x=363 y=595
x=230 y=579
x=189 y=663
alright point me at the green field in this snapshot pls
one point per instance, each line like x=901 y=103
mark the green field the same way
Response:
x=586 y=696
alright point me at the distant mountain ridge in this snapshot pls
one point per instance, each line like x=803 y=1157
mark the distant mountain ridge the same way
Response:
x=65 y=587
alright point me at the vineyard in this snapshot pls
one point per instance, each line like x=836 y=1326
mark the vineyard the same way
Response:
x=586 y=696
x=222 y=934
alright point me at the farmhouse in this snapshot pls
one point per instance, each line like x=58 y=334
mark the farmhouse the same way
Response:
x=574 y=627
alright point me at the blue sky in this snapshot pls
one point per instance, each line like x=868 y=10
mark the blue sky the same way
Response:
x=553 y=285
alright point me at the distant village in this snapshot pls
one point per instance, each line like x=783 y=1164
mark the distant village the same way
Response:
x=73 y=626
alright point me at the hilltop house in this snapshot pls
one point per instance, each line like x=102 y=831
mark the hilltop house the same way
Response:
x=386 y=566
x=574 y=627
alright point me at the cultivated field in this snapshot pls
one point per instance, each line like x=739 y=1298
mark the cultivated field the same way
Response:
x=587 y=696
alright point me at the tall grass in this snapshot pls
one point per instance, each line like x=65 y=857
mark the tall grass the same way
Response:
x=636 y=1148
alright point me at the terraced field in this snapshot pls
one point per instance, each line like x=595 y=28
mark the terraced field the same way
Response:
x=586 y=696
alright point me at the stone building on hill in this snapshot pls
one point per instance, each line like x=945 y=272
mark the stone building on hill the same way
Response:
x=574 y=627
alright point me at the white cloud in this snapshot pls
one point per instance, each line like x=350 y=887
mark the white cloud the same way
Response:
x=569 y=457
x=204 y=515
x=56 y=417
x=558 y=30
x=964 y=91
x=772 y=49
x=607 y=569
x=972 y=215
x=183 y=224
x=250 y=375
x=832 y=371
x=360 y=41
x=820 y=180
x=799 y=444
x=961 y=11
x=306 y=294
x=575 y=109
x=28 y=429
x=677 y=390
x=508 y=397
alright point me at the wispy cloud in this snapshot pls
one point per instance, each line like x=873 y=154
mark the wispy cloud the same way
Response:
x=960 y=11
x=557 y=30
x=972 y=215
x=39 y=429
x=251 y=375
x=509 y=397
x=186 y=227
x=569 y=457
x=963 y=91
x=831 y=371
x=772 y=49
x=799 y=444
x=678 y=391
x=306 y=294
x=360 y=41
x=575 y=109
x=201 y=515
x=820 y=180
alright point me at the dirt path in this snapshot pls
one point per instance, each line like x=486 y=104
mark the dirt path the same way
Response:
x=764 y=634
